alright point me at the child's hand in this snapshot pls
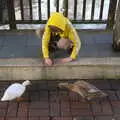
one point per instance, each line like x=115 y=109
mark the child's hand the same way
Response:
x=65 y=60
x=48 y=61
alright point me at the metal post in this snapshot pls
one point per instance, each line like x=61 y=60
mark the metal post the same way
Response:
x=116 y=30
x=111 y=15
x=65 y=7
x=11 y=14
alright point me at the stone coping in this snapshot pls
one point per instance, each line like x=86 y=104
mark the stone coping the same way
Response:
x=85 y=68
x=108 y=61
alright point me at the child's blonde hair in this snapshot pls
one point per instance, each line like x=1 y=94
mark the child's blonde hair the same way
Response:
x=63 y=43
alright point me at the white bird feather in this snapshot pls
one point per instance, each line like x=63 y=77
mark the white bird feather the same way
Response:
x=15 y=90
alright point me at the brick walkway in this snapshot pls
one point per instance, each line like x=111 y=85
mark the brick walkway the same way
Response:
x=45 y=101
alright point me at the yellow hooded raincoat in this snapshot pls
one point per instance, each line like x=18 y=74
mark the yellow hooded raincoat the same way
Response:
x=58 y=20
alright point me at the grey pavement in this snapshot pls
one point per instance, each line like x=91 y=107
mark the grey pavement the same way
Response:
x=28 y=45
x=96 y=59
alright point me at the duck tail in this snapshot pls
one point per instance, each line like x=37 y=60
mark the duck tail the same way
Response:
x=3 y=99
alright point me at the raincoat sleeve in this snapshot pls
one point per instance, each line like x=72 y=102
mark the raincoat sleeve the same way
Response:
x=73 y=36
x=45 y=42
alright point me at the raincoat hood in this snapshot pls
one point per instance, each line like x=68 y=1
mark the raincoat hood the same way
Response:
x=57 y=20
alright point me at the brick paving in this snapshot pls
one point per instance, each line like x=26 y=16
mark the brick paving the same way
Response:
x=43 y=100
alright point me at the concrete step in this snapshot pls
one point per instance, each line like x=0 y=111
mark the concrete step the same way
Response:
x=84 y=68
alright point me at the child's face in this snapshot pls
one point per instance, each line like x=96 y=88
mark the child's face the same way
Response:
x=55 y=29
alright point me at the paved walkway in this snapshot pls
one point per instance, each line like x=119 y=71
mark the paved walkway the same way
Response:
x=27 y=45
x=45 y=101
x=96 y=58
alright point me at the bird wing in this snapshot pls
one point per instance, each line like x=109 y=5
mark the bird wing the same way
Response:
x=15 y=90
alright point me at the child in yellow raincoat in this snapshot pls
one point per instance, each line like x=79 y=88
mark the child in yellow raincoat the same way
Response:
x=59 y=33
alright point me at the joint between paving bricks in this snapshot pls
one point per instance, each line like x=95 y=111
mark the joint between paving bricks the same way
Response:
x=59 y=102
x=113 y=114
x=50 y=117
x=5 y=117
x=90 y=105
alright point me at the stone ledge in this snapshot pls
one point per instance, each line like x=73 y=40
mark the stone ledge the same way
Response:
x=85 y=68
